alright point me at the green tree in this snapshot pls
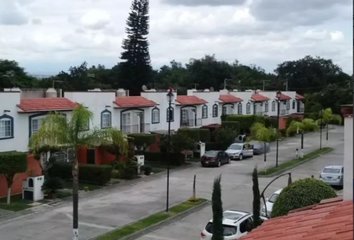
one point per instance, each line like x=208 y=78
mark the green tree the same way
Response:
x=256 y=199
x=301 y=193
x=260 y=133
x=135 y=68
x=56 y=131
x=12 y=75
x=225 y=135
x=179 y=141
x=216 y=201
x=12 y=163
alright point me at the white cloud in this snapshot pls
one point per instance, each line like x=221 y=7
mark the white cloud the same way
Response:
x=86 y=30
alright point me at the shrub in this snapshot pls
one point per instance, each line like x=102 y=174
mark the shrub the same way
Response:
x=127 y=169
x=192 y=133
x=147 y=170
x=143 y=140
x=178 y=142
x=214 y=146
x=232 y=125
x=115 y=173
x=205 y=135
x=88 y=173
x=309 y=125
x=246 y=121
x=301 y=193
x=176 y=159
x=51 y=185
x=226 y=136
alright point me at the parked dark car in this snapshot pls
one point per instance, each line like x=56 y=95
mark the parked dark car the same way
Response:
x=258 y=147
x=214 y=158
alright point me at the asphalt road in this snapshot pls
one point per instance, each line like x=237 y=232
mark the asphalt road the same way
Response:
x=120 y=205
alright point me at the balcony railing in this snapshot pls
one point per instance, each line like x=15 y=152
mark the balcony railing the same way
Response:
x=284 y=112
x=191 y=122
x=136 y=128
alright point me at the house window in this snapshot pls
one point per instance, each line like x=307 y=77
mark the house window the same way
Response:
x=215 y=110
x=36 y=124
x=273 y=106
x=294 y=104
x=126 y=119
x=106 y=119
x=224 y=110
x=184 y=117
x=248 y=108
x=155 y=114
x=170 y=114
x=266 y=106
x=86 y=127
x=239 y=108
x=205 y=111
x=288 y=105
x=6 y=127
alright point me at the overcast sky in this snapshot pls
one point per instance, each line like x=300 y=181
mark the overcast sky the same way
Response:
x=48 y=36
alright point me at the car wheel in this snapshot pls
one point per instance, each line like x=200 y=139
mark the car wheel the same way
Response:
x=240 y=157
x=219 y=163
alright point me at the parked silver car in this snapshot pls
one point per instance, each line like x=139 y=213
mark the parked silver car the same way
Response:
x=333 y=175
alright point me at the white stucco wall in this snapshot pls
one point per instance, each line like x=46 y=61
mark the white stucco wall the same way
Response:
x=348 y=158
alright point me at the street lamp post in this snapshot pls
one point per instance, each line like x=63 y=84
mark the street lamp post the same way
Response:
x=262 y=194
x=321 y=129
x=278 y=113
x=170 y=116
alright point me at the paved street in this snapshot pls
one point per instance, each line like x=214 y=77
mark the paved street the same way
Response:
x=123 y=204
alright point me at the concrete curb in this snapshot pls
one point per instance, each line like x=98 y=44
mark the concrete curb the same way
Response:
x=86 y=195
x=295 y=165
x=165 y=222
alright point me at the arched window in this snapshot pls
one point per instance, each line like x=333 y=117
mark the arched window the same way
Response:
x=155 y=115
x=205 y=111
x=215 y=110
x=106 y=119
x=170 y=114
x=273 y=106
x=248 y=108
x=239 y=108
x=288 y=105
x=294 y=104
x=6 y=127
x=266 y=106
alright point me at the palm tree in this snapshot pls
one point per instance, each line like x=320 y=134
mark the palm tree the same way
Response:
x=57 y=131
x=260 y=133
x=326 y=116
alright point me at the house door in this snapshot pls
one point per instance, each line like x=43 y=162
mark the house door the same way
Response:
x=141 y=122
x=194 y=117
x=90 y=155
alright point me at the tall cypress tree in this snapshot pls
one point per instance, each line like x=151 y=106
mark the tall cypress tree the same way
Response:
x=135 y=68
x=256 y=199
x=218 y=229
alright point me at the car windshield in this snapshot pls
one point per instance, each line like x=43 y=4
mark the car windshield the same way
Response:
x=236 y=147
x=273 y=198
x=211 y=153
x=228 y=230
x=331 y=170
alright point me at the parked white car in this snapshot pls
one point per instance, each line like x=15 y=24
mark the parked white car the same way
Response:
x=239 y=151
x=333 y=175
x=236 y=224
x=269 y=204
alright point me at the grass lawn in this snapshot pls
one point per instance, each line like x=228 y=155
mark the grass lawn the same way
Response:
x=294 y=161
x=148 y=221
x=17 y=203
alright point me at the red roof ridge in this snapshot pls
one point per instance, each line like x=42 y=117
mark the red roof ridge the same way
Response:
x=45 y=104
x=133 y=101
x=189 y=99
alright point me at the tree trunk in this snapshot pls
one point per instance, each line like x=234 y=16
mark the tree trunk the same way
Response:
x=75 y=172
x=8 y=195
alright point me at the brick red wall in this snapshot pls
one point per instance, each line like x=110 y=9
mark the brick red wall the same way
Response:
x=155 y=147
x=33 y=169
x=101 y=156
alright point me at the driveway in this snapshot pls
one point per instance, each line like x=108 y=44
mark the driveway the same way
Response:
x=103 y=210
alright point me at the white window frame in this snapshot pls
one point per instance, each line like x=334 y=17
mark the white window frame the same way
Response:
x=39 y=121
x=106 y=120
x=239 y=108
x=266 y=106
x=5 y=128
x=248 y=108
x=155 y=115
x=204 y=111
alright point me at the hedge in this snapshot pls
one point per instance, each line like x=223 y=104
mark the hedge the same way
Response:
x=13 y=162
x=301 y=193
x=231 y=124
x=176 y=159
x=197 y=134
x=88 y=173
x=214 y=146
x=246 y=121
x=205 y=135
x=142 y=139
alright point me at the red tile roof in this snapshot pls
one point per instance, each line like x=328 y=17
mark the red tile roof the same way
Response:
x=45 y=104
x=284 y=97
x=298 y=96
x=133 y=101
x=189 y=100
x=228 y=98
x=258 y=97
x=332 y=219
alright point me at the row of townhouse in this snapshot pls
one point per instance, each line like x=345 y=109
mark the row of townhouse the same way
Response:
x=20 y=116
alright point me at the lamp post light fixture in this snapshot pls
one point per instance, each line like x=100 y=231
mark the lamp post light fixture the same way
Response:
x=170 y=97
x=321 y=116
x=262 y=194
x=278 y=113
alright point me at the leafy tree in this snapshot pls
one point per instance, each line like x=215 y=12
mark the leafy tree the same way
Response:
x=179 y=141
x=56 y=131
x=135 y=68
x=261 y=133
x=216 y=201
x=256 y=199
x=301 y=193
x=327 y=117
x=12 y=163
x=12 y=75
x=225 y=135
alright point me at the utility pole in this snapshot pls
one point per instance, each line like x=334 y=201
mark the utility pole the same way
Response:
x=286 y=85
x=195 y=85
x=264 y=83
x=225 y=82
